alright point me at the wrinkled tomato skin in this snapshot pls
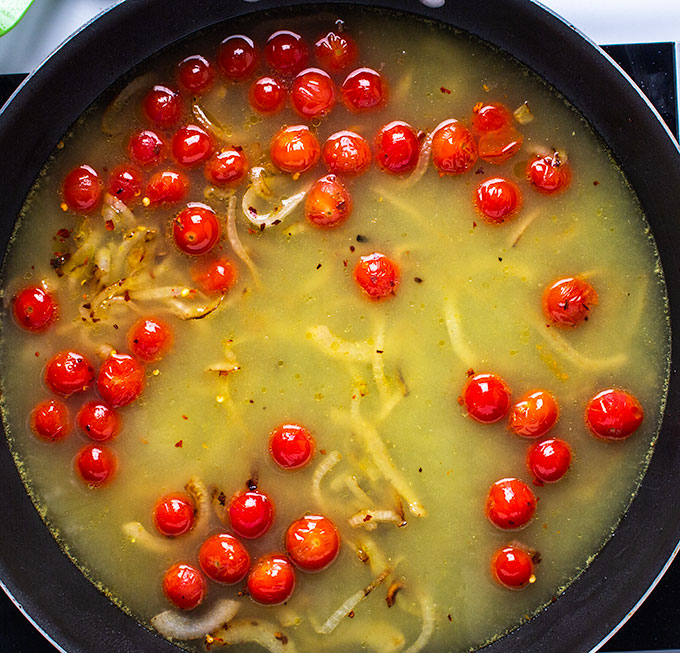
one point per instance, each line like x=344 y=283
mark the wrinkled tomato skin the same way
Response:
x=377 y=275
x=237 y=57
x=98 y=421
x=313 y=93
x=548 y=175
x=96 y=465
x=328 y=203
x=195 y=74
x=336 y=52
x=549 y=460
x=486 y=398
x=498 y=199
x=163 y=106
x=271 y=580
x=512 y=567
x=34 y=309
x=454 y=150
x=184 y=586
x=312 y=542
x=226 y=167
x=125 y=183
x=251 y=513
x=82 y=189
x=287 y=52
x=224 y=559
x=196 y=229
x=568 y=302
x=267 y=95
x=68 y=372
x=214 y=276
x=121 y=380
x=614 y=414
x=167 y=187
x=294 y=149
x=510 y=504
x=146 y=148
x=346 y=153
x=50 y=420
x=397 y=148
x=498 y=147
x=364 y=89
x=150 y=339
x=174 y=514
x=490 y=117
x=534 y=414
x=191 y=146
x=291 y=446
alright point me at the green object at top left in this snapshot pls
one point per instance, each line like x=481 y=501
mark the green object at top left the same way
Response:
x=11 y=12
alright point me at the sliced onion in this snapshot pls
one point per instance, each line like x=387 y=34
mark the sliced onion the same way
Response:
x=137 y=534
x=336 y=347
x=258 y=631
x=423 y=162
x=199 y=492
x=180 y=625
x=369 y=517
x=258 y=188
x=205 y=120
x=235 y=241
x=458 y=342
x=325 y=466
x=428 y=626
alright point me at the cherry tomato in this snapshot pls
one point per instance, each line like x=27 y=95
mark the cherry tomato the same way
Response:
x=251 y=513
x=34 y=308
x=549 y=174
x=498 y=147
x=313 y=93
x=125 y=183
x=486 y=398
x=549 y=460
x=453 y=148
x=534 y=414
x=614 y=414
x=237 y=57
x=96 y=464
x=271 y=580
x=567 y=302
x=174 y=514
x=328 y=203
x=490 y=117
x=214 y=276
x=195 y=74
x=294 y=149
x=82 y=189
x=68 y=372
x=346 y=153
x=227 y=166
x=397 y=148
x=149 y=339
x=291 y=446
x=121 y=379
x=163 y=106
x=497 y=199
x=50 y=420
x=224 y=559
x=167 y=187
x=377 y=275
x=146 y=148
x=267 y=95
x=191 y=146
x=98 y=421
x=184 y=586
x=287 y=52
x=336 y=51
x=512 y=567
x=312 y=542
x=196 y=229
x=510 y=504
x=364 y=89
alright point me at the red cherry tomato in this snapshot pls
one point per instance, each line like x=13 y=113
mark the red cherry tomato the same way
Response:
x=227 y=166
x=510 y=504
x=195 y=74
x=163 y=106
x=149 y=339
x=214 y=276
x=294 y=149
x=98 y=421
x=271 y=581
x=50 y=420
x=364 y=89
x=125 y=183
x=146 y=148
x=251 y=513
x=167 y=187
x=614 y=414
x=121 y=379
x=196 y=229
x=490 y=117
x=224 y=559
x=346 y=153
x=173 y=514
x=549 y=460
x=312 y=542
x=377 y=275
x=497 y=199
x=96 y=464
x=397 y=148
x=291 y=446
x=191 y=146
x=486 y=398
x=267 y=95
x=567 y=302
x=82 y=189
x=549 y=174
x=184 y=586
x=336 y=51
x=534 y=414
x=68 y=372
x=512 y=567
x=498 y=147
x=453 y=148
x=287 y=52
x=328 y=203
x=34 y=308
x=313 y=93
x=237 y=57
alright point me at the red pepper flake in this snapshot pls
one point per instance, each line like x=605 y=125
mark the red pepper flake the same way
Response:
x=474 y=225
x=417 y=279
x=184 y=417
x=318 y=266
x=345 y=262
x=596 y=183
x=368 y=518
x=62 y=234
x=350 y=614
x=126 y=296
x=420 y=469
x=470 y=372
x=461 y=401
x=449 y=617
x=110 y=226
x=37 y=354
x=443 y=89
x=179 y=444
x=352 y=248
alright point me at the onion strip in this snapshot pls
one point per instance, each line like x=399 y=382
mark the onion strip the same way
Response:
x=137 y=534
x=369 y=518
x=264 y=633
x=337 y=347
x=325 y=466
x=209 y=123
x=259 y=188
x=235 y=241
x=423 y=161
x=458 y=343
x=202 y=498
x=180 y=625
x=428 y=626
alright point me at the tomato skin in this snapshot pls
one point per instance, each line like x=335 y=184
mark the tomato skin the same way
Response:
x=328 y=203
x=291 y=446
x=346 y=153
x=99 y=421
x=312 y=542
x=227 y=166
x=534 y=414
x=548 y=174
x=490 y=117
x=34 y=309
x=121 y=380
x=237 y=57
x=96 y=464
x=364 y=89
x=196 y=229
x=174 y=514
x=150 y=339
x=82 y=189
x=267 y=95
x=195 y=74
x=294 y=149
x=68 y=372
x=224 y=559
x=287 y=52
x=191 y=146
x=214 y=276
x=336 y=51
x=167 y=187
x=50 y=420
x=512 y=567
x=125 y=183
x=184 y=586
x=251 y=513
x=568 y=301
x=146 y=148
x=614 y=414
x=397 y=148
x=497 y=199
x=377 y=275
x=549 y=460
x=313 y=93
x=498 y=147
x=271 y=580
x=510 y=504
x=163 y=106
x=454 y=150
x=486 y=398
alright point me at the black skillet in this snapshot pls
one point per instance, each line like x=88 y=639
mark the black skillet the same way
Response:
x=43 y=581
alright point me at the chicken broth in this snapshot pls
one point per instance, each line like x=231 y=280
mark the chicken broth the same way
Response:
x=379 y=376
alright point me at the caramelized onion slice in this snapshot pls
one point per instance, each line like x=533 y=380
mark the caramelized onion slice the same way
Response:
x=180 y=625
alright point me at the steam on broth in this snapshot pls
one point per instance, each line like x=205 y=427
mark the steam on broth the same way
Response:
x=378 y=365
